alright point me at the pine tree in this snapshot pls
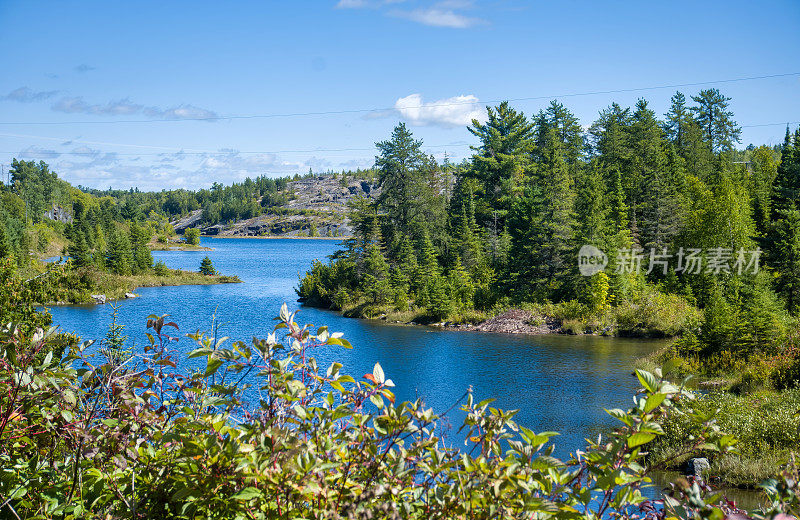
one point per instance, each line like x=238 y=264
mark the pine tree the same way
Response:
x=428 y=273
x=653 y=184
x=611 y=138
x=565 y=128
x=401 y=166
x=78 y=250
x=118 y=254
x=206 y=267
x=113 y=347
x=786 y=259
x=500 y=160
x=593 y=215
x=677 y=121
x=375 y=278
x=460 y=282
x=142 y=257
x=712 y=115
x=786 y=187
x=542 y=226
x=5 y=245
x=764 y=171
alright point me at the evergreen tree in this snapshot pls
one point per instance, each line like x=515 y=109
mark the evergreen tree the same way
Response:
x=593 y=215
x=206 y=267
x=192 y=236
x=763 y=173
x=118 y=254
x=401 y=165
x=375 y=278
x=78 y=250
x=428 y=274
x=542 y=226
x=460 y=282
x=565 y=128
x=142 y=257
x=677 y=121
x=113 y=347
x=786 y=258
x=611 y=138
x=500 y=160
x=716 y=121
x=5 y=244
x=786 y=188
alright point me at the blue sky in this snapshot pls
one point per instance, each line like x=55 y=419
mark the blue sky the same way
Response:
x=124 y=79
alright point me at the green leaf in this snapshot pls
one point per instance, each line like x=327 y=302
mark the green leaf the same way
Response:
x=639 y=438
x=248 y=492
x=377 y=400
x=199 y=352
x=653 y=402
x=212 y=366
x=648 y=380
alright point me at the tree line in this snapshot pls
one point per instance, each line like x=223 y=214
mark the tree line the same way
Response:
x=506 y=225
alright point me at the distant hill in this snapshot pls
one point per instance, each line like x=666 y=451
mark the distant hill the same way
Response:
x=314 y=206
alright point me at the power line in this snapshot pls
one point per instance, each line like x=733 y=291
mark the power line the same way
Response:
x=431 y=105
x=193 y=152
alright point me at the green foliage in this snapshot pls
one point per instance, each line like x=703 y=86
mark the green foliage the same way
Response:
x=160 y=269
x=85 y=439
x=765 y=425
x=206 y=267
x=536 y=189
x=119 y=258
x=17 y=300
x=192 y=236
x=113 y=347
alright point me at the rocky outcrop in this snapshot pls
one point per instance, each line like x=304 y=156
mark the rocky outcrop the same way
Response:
x=190 y=220
x=515 y=321
x=58 y=214
x=316 y=206
x=327 y=193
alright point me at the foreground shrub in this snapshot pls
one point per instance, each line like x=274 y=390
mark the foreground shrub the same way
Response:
x=261 y=431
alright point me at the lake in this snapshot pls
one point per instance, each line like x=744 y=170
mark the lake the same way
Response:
x=557 y=382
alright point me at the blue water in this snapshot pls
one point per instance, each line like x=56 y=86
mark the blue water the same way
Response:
x=557 y=382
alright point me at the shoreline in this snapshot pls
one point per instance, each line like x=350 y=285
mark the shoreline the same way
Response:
x=510 y=321
x=120 y=286
x=274 y=237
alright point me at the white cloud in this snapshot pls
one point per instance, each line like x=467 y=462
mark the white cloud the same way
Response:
x=76 y=105
x=182 y=112
x=450 y=112
x=351 y=4
x=124 y=107
x=38 y=153
x=438 y=17
x=27 y=95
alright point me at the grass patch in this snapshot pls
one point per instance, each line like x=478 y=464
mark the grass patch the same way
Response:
x=765 y=423
x=78 y=286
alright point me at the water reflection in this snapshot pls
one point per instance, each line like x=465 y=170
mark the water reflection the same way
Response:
x=559 y=383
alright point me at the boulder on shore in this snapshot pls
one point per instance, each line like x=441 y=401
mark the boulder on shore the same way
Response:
x=696 y=466
x=99 y=298
x=130 y=295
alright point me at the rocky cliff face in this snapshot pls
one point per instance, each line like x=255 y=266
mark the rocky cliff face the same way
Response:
x=316 y=207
